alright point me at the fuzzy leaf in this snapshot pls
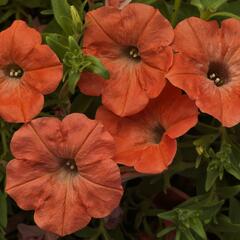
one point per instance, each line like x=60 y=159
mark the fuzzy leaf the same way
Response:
x=61 y=10
x=97 y=67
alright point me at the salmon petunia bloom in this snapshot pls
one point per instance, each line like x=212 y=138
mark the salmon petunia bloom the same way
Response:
x=64 y=171
x=147 y=140
x=207 y=66
x=133 y=44
x=28 y=70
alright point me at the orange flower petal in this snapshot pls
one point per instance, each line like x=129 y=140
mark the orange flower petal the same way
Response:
x=230 y=27
x=175 y=122
x=62 y=212
x=130 y=78
x=17 y=100
x=146 y=140
x=156 y=158
x=43 y=70
x=17 y=42
x=74 y=144
x=91 y=84
x=100 y=199
x=120 y=95
x=38 y=141
x=152 y=80
x=132 y=17
x=198 y=39
x=25 y=186
x=187 y=74
x=209 y=50
x=93 y=188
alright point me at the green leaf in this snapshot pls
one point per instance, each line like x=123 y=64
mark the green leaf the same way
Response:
x=86 y=232
x=212 y=5
x=198 y=228
x=224 y=224
x=228 y=192
x=165 y=231
x=231 y=7
x=206 y=140
x=3 y=2
x=76 y=18
x=73 y=45
x=72 y=79
x=233 y=170
x=211 y=209
x=81 y=103
x=178 y=235
x=6 y=15
x=56 y=45
x=224 y=14
x=169 y=215
x=198 y=4
x=47 y=12
x=2 y=236
x=97 y=67
x=234 y=211
x=212 y=175
x=117 y=234
x=3 y=209
x=188 y=235
x=62 y=14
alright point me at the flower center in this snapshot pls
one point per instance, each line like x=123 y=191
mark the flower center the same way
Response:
x=158 y=131
x=218 y=73
x=133 y=53
x=70 y=165
x=14 y=71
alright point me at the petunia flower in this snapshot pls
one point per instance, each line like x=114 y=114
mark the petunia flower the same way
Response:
x=64 y=171
x=133 y=43
x=207 y=66
x=28 y=70
x=147 y=140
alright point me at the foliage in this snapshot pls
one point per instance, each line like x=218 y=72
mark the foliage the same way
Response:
x=207 y=165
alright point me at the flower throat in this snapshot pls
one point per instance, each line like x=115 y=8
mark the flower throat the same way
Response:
x=218 y=73
x=14 y=71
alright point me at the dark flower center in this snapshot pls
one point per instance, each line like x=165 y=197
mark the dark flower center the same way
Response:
x=133 y=53
x=218 y=72
x=158 y=131
x=70 y=165
x=14 y=71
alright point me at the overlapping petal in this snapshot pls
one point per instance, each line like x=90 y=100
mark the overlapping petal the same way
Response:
x=146 y=140
x=22 y=96
x=139 y=26
x=205 y=50
x=42 y=148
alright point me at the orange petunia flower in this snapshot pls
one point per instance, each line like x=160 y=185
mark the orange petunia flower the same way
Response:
x=207 y=67
x=64 y=170
x=133 y=43
x=28 y=70
x=147 y=140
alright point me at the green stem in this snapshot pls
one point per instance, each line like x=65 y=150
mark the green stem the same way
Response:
x=103 y=231
x=176 y=7
x=206 y=126
x=205 y=14
x=224 y=134
x=4 y=139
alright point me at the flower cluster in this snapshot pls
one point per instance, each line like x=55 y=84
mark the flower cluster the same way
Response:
x=159 y=78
